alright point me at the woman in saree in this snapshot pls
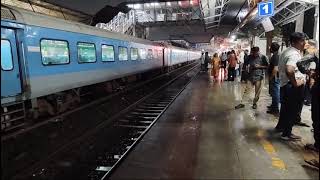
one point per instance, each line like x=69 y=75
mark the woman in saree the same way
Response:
x=215 y=66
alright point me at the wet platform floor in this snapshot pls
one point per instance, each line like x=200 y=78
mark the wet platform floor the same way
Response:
x=202 y=136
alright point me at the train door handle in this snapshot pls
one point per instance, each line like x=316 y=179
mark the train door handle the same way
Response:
x=18 y=75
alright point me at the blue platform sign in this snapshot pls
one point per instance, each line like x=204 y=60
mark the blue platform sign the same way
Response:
x=266 y=9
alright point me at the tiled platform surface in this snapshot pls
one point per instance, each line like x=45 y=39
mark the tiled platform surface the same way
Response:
x=202 y=136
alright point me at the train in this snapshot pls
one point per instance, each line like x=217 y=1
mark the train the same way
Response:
x=44 y=58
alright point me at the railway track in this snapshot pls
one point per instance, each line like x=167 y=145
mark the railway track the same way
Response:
x=95 y=153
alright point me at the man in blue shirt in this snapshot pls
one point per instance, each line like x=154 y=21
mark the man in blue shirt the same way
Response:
x=274 y=81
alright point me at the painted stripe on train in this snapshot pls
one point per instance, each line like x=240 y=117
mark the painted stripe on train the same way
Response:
x=41 y=86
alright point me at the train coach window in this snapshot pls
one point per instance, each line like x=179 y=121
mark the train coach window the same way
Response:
x=6 y=56
x=134 y=53
x=107 y=53
x=142 y=54
x=150 y=55
x=54 y=52
x=123 y=54
x=86 y=53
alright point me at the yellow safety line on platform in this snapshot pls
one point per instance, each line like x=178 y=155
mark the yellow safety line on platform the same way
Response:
x=268 y=147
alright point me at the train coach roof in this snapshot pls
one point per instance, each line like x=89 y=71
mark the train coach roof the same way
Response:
x=31 y=18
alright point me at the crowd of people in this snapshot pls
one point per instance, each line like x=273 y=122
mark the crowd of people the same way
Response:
x=226 y=66
x=290 y=86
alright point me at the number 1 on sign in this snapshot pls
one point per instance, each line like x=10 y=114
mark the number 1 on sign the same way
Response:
x=265 y=8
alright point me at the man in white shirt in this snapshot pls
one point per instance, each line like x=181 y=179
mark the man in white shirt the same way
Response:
x=224 y=56
x=202 y=58
x=292 y=83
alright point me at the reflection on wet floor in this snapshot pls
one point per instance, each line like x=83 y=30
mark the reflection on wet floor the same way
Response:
x=202 y=136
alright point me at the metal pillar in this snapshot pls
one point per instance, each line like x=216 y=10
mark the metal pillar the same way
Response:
x=299 y=23
x=269 y=36
x=316 y=26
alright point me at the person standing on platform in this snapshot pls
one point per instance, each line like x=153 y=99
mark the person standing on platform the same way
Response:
x=244 y=73
x=292 y=83
x=232 y=60
x=309 y=65
x=256 y=65
x=215 y=66
x=274 y=81
x=309 y=49
x=224 y=58
x=315 y=91
x=202 y=58
x=298 y=119
x=206 y=61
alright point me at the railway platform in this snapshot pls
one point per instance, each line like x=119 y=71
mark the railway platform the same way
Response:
x=202 y=136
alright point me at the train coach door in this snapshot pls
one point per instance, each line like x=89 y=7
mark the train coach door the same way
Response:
x=10 y=74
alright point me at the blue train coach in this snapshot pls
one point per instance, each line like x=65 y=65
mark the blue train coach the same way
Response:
x=42 y=57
